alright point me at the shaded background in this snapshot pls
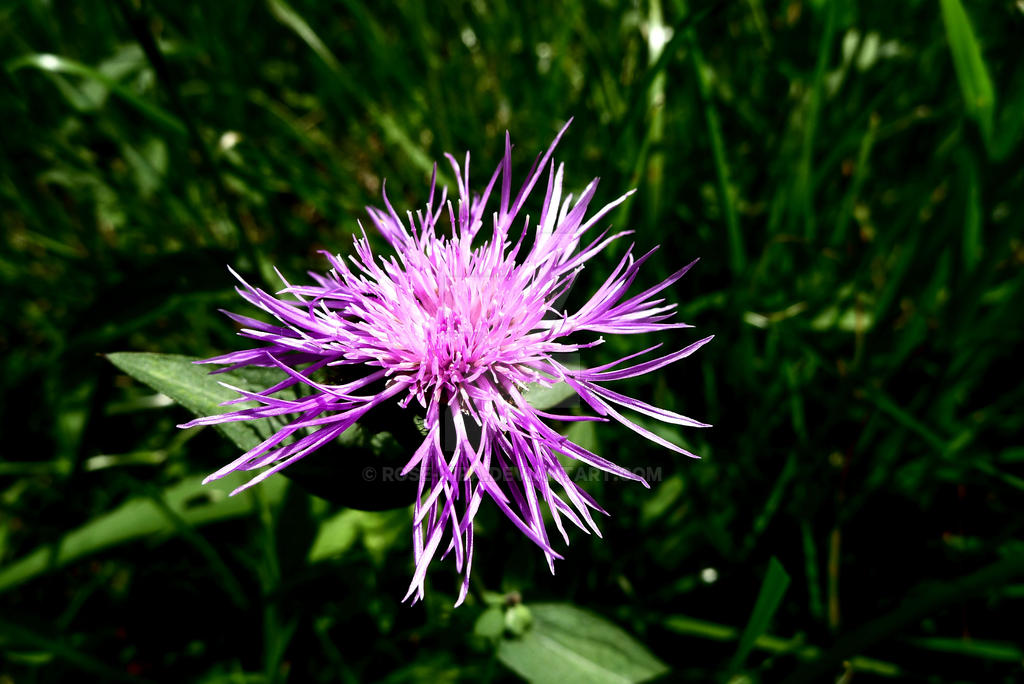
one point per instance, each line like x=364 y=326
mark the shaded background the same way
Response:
x=849 y=174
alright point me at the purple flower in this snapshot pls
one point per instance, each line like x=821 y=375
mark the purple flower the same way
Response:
x=460 y=320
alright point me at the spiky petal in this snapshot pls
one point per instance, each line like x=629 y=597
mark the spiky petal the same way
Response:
x=460 y=322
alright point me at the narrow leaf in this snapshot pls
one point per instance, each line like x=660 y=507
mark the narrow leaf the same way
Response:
x=772 y=590
x=12 y=634
x=62 y=65
x=975 y=84
x=192 y=503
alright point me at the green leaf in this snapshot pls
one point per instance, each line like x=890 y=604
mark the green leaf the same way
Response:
x=193 y=387
x=336 y=535
x=357 y=470
x=378 y=531
x=544 y=398
x=567 y=644
x=584 y=434
x=490 y=624
x=189 y=502
x=772 y=590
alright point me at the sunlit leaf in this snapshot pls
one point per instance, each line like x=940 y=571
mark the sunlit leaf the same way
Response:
x=193 y=387
x=567 y=644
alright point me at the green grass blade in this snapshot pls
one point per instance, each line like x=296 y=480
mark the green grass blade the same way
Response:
x=769 y=599
x=191 y=503
x=974 y=648
x=734 y=236
x=287 y=15
x=62 y=65
x=815 y=604
x=975 y=84
x=774 y=645
x=973 y=239
x=860 y=173
x=11 y=634
x=804 y=185
x=925 y=599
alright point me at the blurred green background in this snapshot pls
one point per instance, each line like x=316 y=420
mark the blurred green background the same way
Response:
x=849 y=174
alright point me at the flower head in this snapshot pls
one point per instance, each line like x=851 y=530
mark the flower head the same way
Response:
x=459 y=320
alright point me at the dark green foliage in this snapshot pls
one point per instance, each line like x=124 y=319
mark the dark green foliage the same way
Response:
x=849 y=174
